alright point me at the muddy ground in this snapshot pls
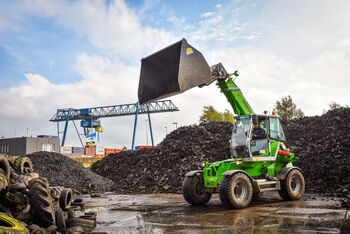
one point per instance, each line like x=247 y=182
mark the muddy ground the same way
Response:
x=168 y=213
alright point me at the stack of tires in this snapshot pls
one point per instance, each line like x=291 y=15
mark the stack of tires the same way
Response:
x=29 y=205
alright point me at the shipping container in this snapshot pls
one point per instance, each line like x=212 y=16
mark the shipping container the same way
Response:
x=140 y=147
x=65 y=150
x=100 y=150
x=90 y=151
x=111 y=151
x=77 y=150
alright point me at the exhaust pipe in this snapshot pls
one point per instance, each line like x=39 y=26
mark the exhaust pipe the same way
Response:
x=171 y=71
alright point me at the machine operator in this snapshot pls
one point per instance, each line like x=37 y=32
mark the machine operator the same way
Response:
x=258 y=132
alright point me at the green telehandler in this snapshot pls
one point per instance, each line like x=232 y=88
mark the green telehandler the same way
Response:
x=260 y=161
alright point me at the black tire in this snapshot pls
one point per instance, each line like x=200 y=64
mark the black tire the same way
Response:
x=79 y=202
x=41 y=203
x=86 y=224
x=293 y=186
x=60 y=221
x=11 y=225
x=236 y=191
x=193 y=190
x=71 y=214
x=4 y=183
x=66 y=198
x=5 y=166
x=23 y=165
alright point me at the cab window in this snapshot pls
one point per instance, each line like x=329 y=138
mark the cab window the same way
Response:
x=276 y=130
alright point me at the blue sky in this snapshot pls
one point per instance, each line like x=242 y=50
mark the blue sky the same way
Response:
x=57 y=54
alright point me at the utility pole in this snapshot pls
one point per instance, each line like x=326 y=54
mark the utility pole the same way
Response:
x=166 y=130
x=175 y=123
x=27 y=132
x=146 y=131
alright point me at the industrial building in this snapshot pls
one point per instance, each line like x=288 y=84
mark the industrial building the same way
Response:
x=25 y=145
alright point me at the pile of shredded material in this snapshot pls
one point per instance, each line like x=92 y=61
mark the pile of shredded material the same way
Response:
x=162 y=169
x=323 y=143
x=64 y=171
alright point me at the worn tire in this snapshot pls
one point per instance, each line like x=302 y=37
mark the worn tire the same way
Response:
x=41 y=203
x=5 y=165
x=11 y=225
x=86 y=224
x=60 y=221
x=4 y=183
x=193 y=190
x=78 y=202
x=293 y=186
x=23 y=165
x=66 y=198
x=236 y=191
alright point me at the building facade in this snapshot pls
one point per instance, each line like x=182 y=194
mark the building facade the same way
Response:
x=25 y=145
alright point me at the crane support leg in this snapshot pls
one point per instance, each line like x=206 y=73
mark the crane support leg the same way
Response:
x=135 y=124
x=150 y=125
x=64 y=133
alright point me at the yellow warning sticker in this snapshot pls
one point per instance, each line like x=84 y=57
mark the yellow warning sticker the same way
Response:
x=189 y=50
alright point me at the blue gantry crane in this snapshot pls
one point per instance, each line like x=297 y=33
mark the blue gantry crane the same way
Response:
x=90 y=117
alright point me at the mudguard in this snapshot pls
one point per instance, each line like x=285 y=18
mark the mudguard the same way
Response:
x=193 y=173
x=285 y=170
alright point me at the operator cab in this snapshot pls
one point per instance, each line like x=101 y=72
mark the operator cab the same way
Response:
x=256 y=136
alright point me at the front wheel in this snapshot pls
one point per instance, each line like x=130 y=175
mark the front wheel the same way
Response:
x=236 y=191
x=194 y=191
x=293 y=186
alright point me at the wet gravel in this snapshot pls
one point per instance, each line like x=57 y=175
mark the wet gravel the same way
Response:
x=61 y=170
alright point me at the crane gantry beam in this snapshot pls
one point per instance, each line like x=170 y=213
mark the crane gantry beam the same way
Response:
x=95 y=113
x=113 y=111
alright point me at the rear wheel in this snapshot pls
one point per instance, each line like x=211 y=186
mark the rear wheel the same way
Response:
x=236 y=191
x=194 y=191
x=293 y=186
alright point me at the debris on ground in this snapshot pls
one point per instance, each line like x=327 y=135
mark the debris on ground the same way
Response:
x=64 y=171
x=162 y=168
x=28 y=204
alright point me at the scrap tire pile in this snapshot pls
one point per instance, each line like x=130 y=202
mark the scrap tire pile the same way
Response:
x=323 y=143
x=64 y=171
x=29 y=205
x=163 y=168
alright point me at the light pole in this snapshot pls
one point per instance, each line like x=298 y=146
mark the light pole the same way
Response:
x=166 y=130
x=175 y=123
x=146 y=132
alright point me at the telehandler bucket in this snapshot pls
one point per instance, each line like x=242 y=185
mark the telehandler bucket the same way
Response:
x=172 y=70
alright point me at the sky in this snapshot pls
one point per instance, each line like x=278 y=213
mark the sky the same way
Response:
x=64 y=53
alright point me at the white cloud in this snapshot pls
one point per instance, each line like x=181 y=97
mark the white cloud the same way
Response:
x=207 y=14
x=115 y=28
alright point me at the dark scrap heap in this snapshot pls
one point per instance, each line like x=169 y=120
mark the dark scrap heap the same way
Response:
x=323 y=143
x=162 y=169
x=64 y=171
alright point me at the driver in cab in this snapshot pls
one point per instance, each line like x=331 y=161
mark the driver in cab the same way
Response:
x=258 y=132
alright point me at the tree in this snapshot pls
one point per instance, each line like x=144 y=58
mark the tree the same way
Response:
x=210 y=114
x=287 y=109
